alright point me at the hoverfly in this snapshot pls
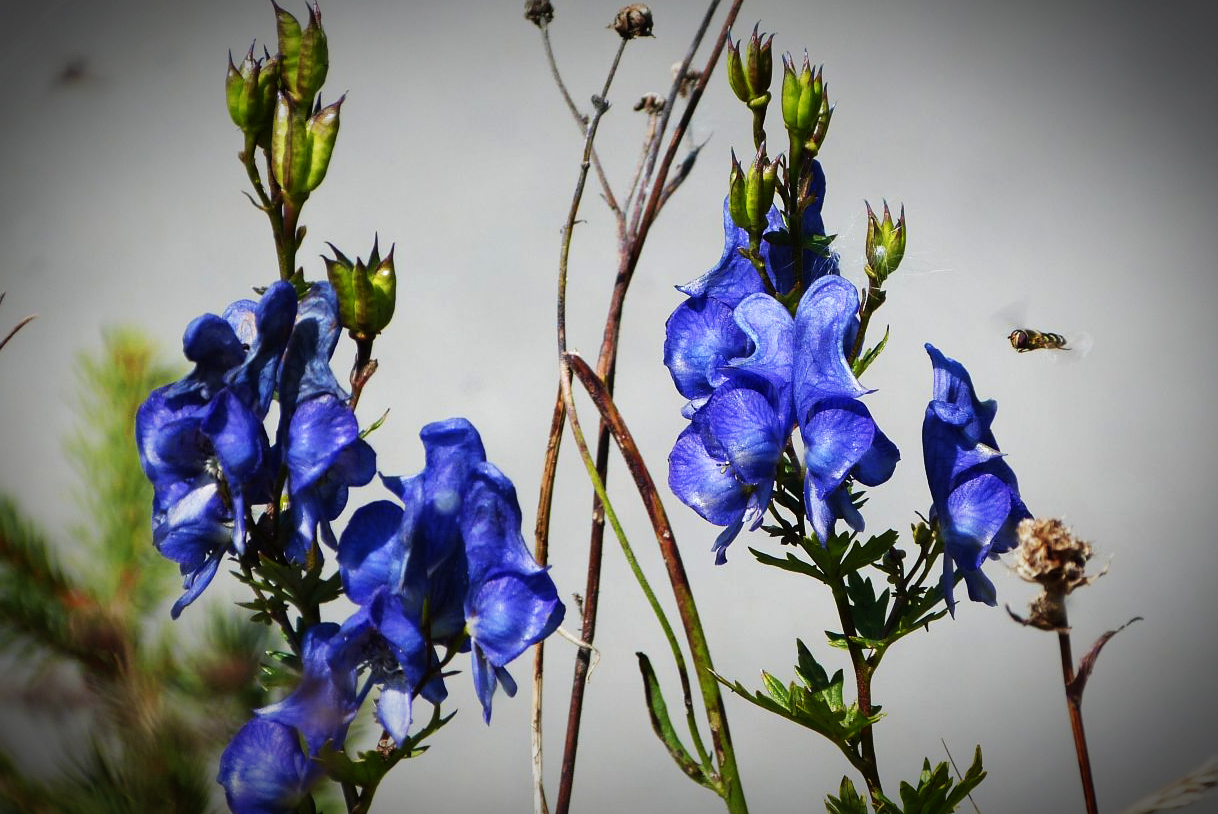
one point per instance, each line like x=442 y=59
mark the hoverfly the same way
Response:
x=1026 y=339
x=1067 y=347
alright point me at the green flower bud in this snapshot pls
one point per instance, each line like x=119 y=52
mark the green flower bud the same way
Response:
x=885 y=244
x=735 y=73
x=759 y=194
x=759 y=67
x=802 y=99
x=367 y=291
x=304 y=55
x=250 y=94
x=323 y=133
x=301 y=146
x=736 y=193
x=750 y=76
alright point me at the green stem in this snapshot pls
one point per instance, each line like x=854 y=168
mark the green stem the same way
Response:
x=867 y=766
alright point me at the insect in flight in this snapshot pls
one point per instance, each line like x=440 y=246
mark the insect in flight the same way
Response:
x=1026 y=339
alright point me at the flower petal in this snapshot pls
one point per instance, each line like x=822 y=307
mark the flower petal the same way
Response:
x=699 y=338
x=749 y=432
x=703 y=483
x=826 y=317
x=975 y=511
x=510 y=612
x=372 y=553
x=264 y=771
x=770 y=329
x=733 y=278
x=837 y=435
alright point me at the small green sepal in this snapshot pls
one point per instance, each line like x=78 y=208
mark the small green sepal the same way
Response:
x=885 y=244
x=366 y=291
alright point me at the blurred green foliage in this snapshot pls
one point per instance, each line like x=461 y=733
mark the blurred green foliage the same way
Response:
x=85 y=637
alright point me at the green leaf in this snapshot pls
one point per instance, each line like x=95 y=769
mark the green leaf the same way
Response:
x=861 y=555
x=847 y=801
x=870 y=611
x=808 y=669
x=822 y=709
x=937 y=792
x=661 y=724
x=791 y=563
x=864 y=361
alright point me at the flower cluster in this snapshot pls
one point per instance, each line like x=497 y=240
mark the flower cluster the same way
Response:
x=203 y=444
x=751 y=372
x=446 y=568
x=974 y=493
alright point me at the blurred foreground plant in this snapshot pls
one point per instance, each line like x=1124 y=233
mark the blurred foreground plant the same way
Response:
x=83 y=639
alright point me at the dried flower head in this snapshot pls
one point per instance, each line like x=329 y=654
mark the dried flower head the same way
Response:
x=633 y=21
x=538 y=12
x=1050 y=554
x=652 y=104
x=692 y=77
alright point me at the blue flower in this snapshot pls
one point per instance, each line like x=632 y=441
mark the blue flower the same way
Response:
x=723 y=465
x=701 y=335
x=264 y=770
x=449 y=563
x=841 y=439
x=318 y=434
x=201 y=439
x=511 y=603
x=974 y=493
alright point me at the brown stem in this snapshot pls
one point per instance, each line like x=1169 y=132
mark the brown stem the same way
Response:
x=362 y=370
x=541 y=552
x=564 y=378
x=1074 y=707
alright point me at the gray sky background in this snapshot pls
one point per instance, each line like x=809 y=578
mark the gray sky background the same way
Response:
x=1059 y=155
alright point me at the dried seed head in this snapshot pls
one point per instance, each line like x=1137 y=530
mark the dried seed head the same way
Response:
x=1050 y=554
x=633 y=21
x=651 y=104
x=692 y=77
x=538 y=12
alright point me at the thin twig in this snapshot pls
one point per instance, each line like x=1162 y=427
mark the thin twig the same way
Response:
x=564 y=378
x=16 y=328
x=581 y=121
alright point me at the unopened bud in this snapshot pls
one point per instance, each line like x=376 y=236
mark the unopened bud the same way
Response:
x=885 y=244
x=366 y=291
x=301 y=146
x=304 y=55
x=750 y=76
x=538 y=12
x=250 y=94
x=633 y=21
x=751 y=195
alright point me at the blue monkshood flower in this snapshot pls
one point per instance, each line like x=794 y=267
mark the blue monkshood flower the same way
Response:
x=201 y=439
x=449 y=562
x=723 y=465
x=511 y=603
x=318 y=435
x=701 y=335
x=974 y=493
x=264 y=770
x=840 y=437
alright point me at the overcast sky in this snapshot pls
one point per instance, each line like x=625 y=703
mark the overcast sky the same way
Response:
x=1054 y=155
